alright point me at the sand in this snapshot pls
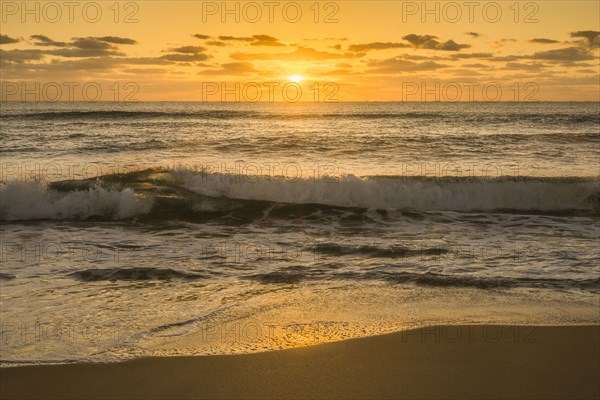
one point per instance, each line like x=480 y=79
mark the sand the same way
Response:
x=440 y=362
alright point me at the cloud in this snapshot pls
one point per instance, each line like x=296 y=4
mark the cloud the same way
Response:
x=590 y=38
x=188 y=49
x=336 y=47
x=376 y=46
x=234 y=68
x=201 y=36
x=471 y=55
x=543 y=41
x=216 y=43
x=502 y=42
x=151 y=71
x=398 y=65
x=89 y=43
x=41 y=40
x=451 y=45
x=143 y=61
x=83 y=52
x=430 y=42
x=473 y=34
x=255 y=40
x=568 y=54
x=300 y=54
x=266 y=40
x=5 y=39
x=525 y=67
x=20 y=56
x=477 y=65
x=185 y=57
x=241 y=39
x=116 y=40
x=83 y=46
x=92 y=53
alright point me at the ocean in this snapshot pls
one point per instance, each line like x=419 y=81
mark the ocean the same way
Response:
x=140 y=229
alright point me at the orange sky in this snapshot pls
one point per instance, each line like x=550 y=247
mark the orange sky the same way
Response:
x=346 y=50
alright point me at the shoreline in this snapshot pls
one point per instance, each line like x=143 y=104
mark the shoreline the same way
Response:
x=452 y=361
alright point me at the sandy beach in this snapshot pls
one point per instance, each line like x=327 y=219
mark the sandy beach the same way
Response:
x=483 y=362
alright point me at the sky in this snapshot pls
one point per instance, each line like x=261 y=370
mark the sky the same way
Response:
x=334 y=51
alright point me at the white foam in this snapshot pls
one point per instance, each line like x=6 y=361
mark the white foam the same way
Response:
x=31 y=200
x=399 y=193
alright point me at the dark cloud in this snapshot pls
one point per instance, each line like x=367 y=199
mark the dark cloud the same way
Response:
x=568 y=54
x=151 y=71
x=143 y=61
x=477 y=65
x=336 y=47
x=83 y=52
x=399 y=64
x=590 y=38
x=543 y=41
x=41 y=40
x=116 y=40
x=200 y=36
x=451 y=45
x=377 y=46
x=102 y=52
x=216 y=43
x=502 y=42
x=88 y=43
x=20 y=56
x=184 y=57
x=471 y=55
x=83 y=46
x=473 y=34
x=91 y=43
x=242 y=39
x=5 y=39
x=266 y=40
x=525 y=66
x=188 y=49
x=424 y=41
x=255 y=40
x=300 y=54
x=430 y=42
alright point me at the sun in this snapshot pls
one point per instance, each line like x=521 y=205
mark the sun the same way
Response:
x=296 y=78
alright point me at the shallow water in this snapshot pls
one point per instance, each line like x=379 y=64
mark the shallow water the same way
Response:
x=189 y=228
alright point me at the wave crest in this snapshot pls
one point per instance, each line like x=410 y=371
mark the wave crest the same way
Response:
x=34 y=201
x=184 y=193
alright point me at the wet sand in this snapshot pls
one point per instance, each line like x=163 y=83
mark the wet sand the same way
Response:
x=482 y=362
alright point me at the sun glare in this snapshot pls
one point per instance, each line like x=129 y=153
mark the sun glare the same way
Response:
x=296 y=78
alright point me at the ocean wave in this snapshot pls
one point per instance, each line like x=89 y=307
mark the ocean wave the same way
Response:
x=198 y=114
x=185 y=193
x=481 y=282
x=430 y=279
x=405 y=193
x=134 y=274
x=34 y=201
x=296 y=275
x=334 y=249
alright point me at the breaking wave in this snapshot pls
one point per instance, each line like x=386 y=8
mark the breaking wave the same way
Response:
x=184 y=193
